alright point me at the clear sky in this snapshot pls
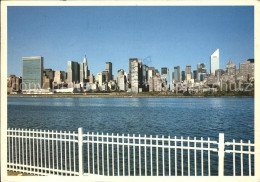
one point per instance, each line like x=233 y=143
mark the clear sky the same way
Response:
x=170 y=36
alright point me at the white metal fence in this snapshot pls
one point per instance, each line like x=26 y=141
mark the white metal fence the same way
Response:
x=69 y=153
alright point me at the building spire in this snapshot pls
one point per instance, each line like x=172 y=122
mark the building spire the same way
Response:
x=85 y=59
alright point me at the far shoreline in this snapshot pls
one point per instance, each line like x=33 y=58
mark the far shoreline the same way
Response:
x=109 y=95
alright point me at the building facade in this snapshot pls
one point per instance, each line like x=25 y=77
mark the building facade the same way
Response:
x=73 y=73
x=177 y=76
x=214 y=62
x=86 y=71
x=32 y=73
x=135 y=74
x=109 y=71
x=188 y=72
x=231 y=68
x=155 y=84
x=14 y=84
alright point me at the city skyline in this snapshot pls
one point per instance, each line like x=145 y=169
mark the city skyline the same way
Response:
x=168 y=49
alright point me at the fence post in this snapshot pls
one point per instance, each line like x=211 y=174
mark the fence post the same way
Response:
x=221 y=146
x=80 y=144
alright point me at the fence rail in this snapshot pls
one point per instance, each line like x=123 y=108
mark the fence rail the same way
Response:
x=73 y=154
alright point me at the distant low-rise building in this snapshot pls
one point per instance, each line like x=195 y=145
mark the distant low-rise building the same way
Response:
x=14 y=84
x=155 y=84
x=246 y=69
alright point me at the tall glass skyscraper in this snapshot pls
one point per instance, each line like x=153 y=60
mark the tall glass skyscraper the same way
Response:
x=109 y=70
x=166 y=74
x=32 y=73
x=73 y=73
x=214 y=62
x=177 y=74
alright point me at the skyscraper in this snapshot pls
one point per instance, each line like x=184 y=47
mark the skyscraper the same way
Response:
x=188 y=72
x=214 y=62
x=121 y=80
x=247 y=69
x=195 y=74
x=151 y=73
x=182 y=75
x=201 y=71
x=177 y=74
x=135 y=74
x=164 y=71
x=73 y=73
x=231 y=68
x=85 y=68
x=32 y=73
x=166 y=76
x=109 y=70
x=81 y=73
x=145 y=74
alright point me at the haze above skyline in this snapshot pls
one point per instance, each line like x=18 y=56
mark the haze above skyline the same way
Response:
x=170 y=36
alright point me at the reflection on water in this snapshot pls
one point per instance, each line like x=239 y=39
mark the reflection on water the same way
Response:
x=200 y=117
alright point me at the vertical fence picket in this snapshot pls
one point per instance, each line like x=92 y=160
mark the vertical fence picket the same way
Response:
x=134 y=152
x=57 y=158
x=117 y=154
x=241 y=149
x=61 y=167
x=221 y=146
x=33 y=150
x=113 y=162
x=52 y=147
x=65 y=152
x=163 y=156
x=181 y=156
x=80 y=152
x=209 y=172
x=40 y=148
x=175 y=155
x=13 y=148
x=249 y=157
x=49 y=157
x=93 y=159
x=157 y=161
x=128 y=140
x=234 y=158
x=8 y=147
x=108 y=172
x=44 y=149
x=37 y=150
x=97 y=154
x=145 y=157
x=22 y=148
x=69 y=140
x=26 y=148
x=103 y=164
x=188 y=143
x=18 y=139
x=169 y=153
x=195 y=157
x=202 y=168
x=123 y=153
x=151 y=154
x=30 y=153
x=140 y=166
x=88 y=153
x=74 y=152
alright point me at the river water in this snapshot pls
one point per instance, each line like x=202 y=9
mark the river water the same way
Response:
x=194 y=117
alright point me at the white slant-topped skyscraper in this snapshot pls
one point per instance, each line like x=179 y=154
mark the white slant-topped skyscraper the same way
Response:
x=214 y=62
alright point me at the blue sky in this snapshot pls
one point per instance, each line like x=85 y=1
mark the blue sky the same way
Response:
x=170 y=36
